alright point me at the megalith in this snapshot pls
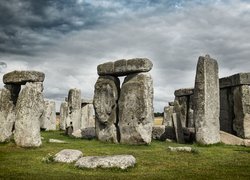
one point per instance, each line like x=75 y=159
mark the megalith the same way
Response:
x=74 y=107
x=7 y=115
x=136 y=109
x=29 y=109
x=63 y=115
x=48 y=119
x=206 y=101
x=107 y=89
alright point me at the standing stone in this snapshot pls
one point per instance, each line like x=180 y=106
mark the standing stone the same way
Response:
x=48 y=119
x=136 y=115
x=168 y=112
x=206 y=101
x=7 y=115
x=63 y=115
x=29 y=108
x=107 y=89
x=74 y=105
x=241 y=125
x=87 y=115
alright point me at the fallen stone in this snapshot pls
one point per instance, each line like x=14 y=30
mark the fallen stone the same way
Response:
x=7 y=115
x=48 y=119
x=29 y=108
x=184 y=92
x=180 y=149
x=68 y=156
x=107 y=89
x=158 y=132
x=117 y=161
x=206 y=101
x=230 y=139
x=21 y=77
x=56 y=141
x=125 y=67
x=136 y=115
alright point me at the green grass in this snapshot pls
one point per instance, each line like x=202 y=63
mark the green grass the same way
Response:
x=153 y=161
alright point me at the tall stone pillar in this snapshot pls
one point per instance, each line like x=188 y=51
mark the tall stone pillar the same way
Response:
x=206 y=101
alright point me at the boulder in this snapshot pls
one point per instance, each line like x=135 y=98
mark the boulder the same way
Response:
x=107 y=89
x=7 y=115
x=29 y=108
x=48 y=119
x=21 y=77
x=136 y=115
x=125 y=67
x=206 y=101
x=117 y=161
x=63 y=115
x=68 y=156
x=74 y=109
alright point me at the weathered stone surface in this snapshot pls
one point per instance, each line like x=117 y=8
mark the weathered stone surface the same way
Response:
x=158 y=131
x=63 y=115
x=241 y=122
x=125 y=67
x=167 y=118
x=235 y=80
x=56 y=141
x=48 y=119
x=74 y=107
x=180 y=149
x=230 y=139
x=7 y=115
x=184 y=92
x=206 y=101
x=68 y=156
x=178 y=129
x=87 y=116
x=21 y=77
x=29 y=108
x=107 y=89
x=117 y=161
x=136 y=115
x=226 y=110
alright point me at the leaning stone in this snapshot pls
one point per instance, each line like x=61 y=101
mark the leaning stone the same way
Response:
x=125 y=67
x=167 y=118
x=74 y=107
x=241 y=122
x=29 y=108
x=184 y=92
x=180 y=149
x=107 y=89
x=235 y=80
x=158 y=132
x=206 y=101
x=178 y=129
x=7 y=115
x=48 y=119
x=68 y=156
x=117 y=161
x=136 y=115
x=56 y=141
x=21 y=77
x=63 y=115
x=230 y=139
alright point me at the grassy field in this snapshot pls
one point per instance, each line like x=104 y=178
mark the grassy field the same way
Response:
x=153 y=161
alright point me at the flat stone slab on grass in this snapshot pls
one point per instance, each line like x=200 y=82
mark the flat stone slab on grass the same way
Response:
x=21 y=77
x=180 y=149
x=56 y=141
x=68 y=155
x=117 y=161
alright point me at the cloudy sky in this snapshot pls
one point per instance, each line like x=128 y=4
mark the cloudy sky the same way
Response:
x=67 y=39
